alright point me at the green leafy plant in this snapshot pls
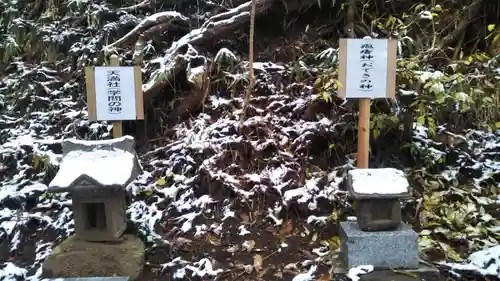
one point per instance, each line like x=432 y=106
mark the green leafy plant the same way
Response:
x=382 y=123
x=493 y=33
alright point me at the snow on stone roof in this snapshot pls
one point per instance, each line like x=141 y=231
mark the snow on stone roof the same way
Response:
x=109 y=167
x=382 y=182
x=125 y=143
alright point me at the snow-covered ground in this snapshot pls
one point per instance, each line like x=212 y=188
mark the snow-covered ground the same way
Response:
x=187 y=185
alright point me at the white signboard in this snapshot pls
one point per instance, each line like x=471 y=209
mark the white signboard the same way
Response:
x=115 y=93
x=367 y=68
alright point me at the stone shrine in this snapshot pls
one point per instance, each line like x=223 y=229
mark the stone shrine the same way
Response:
x=379 y=237
x=96 y=174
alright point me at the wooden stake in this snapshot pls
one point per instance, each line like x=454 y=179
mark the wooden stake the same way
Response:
x=117 y=125
x=251 y=76
x=363 y=133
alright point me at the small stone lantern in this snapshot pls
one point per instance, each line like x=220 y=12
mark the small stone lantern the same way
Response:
x=377 y=194
x=96 y=174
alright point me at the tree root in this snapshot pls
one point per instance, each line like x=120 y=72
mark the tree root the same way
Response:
x=142 y=5
x=182 y=55
x=177 y=58
x=199 y=81
x=157 y=21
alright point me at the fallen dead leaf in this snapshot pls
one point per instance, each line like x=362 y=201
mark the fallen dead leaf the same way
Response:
x=245 y=217
x=213 y=240
x=314 y=237
x=407 y=273
x=262 y=272
x=233 y=249
x=257 y=262
x=307 y=254
x=180 y=242
x=286 y=230
x=324 y=277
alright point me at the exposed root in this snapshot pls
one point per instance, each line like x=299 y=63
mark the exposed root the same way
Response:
x=142 y=5
x=177 y=59
x=163 y=19
x=179 y=56
x=199 y=81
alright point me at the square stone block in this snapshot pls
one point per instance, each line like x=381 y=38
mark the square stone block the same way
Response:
x=378 y=214
x=383 y=249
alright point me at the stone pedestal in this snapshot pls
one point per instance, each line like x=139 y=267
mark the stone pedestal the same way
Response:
x=79 y=258
x=383 y=249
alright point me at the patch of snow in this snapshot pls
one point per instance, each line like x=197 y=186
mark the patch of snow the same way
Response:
x=227 y=213
x=424 y=76
x=485 y=262
x=354 y=272
x=271 y=214
x=11 y=272
x=427 y=15
x=321 y=251
x=379 y=181
x=267 y=66
x=102 y=142
x=188 y=220
x=145 y=216
x=307 y=276
x=225 y=54
x=200 y=230
x=436 y=88
x=243 y=230
x=202 y=268
x=304 y=194
x=407 y=92
x=312 y=219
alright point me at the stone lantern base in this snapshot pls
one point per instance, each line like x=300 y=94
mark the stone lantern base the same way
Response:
x=383 y=249
x=79 y=258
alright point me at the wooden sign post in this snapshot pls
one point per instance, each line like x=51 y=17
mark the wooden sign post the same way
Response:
x=367 y=70
x=114 y=93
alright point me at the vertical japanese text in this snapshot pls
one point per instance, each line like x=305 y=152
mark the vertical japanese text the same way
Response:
x=114 y=91
x=367 y=61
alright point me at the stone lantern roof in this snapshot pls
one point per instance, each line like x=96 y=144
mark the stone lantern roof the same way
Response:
x=96 y=166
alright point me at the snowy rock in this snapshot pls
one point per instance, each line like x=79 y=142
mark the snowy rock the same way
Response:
x=78 y=258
